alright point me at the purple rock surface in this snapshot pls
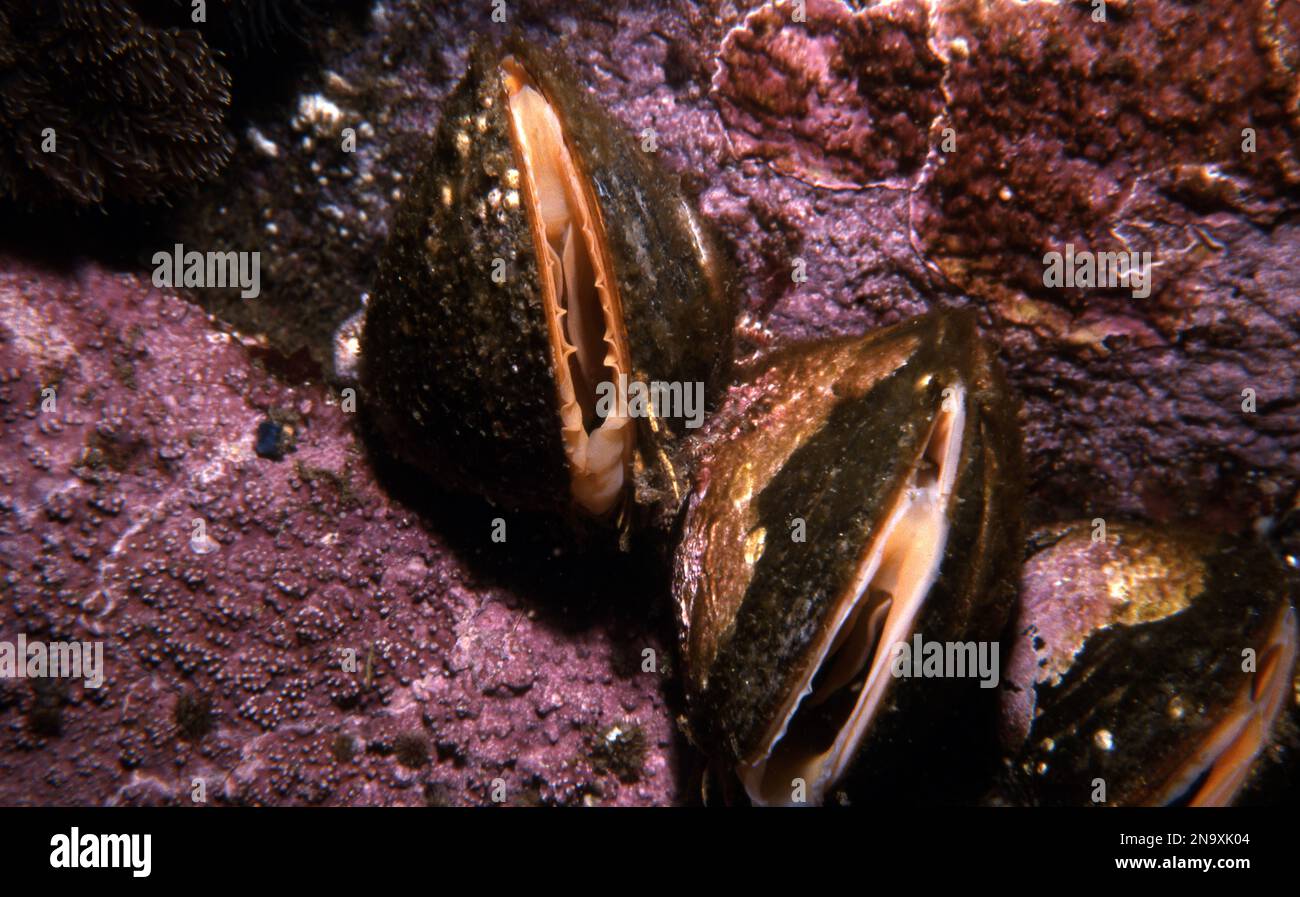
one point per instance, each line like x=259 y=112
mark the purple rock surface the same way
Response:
x=135 y=512
x=303 y=630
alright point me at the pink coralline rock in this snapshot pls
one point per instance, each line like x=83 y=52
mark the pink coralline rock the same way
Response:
x=821 y=151
x=273 y=631
x=1166 y=127
x=839 y=99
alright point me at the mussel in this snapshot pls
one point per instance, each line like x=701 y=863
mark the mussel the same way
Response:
x=1151 y=665
x=541 y=260
x=857 y=493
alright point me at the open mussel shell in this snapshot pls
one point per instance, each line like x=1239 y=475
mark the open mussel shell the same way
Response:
x=1151 y=666
x=854 y=494
x=539 y=253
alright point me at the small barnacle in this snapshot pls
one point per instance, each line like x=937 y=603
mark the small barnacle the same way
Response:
x=343 y=748
x=618 y=750
x=193 y=715
x=411 y=749
x=45 y=716
x=318 y=114
x=436 y=794
x=347 y=348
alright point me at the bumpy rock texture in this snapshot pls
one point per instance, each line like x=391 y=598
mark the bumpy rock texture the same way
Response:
x=280 y=630
x=821 y=150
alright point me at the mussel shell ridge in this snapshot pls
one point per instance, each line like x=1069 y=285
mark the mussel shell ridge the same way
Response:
x=1134 y=652
x=457 y=366
x=829 y=436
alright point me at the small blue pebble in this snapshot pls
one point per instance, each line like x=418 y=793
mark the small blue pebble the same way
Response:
x=270 y=440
